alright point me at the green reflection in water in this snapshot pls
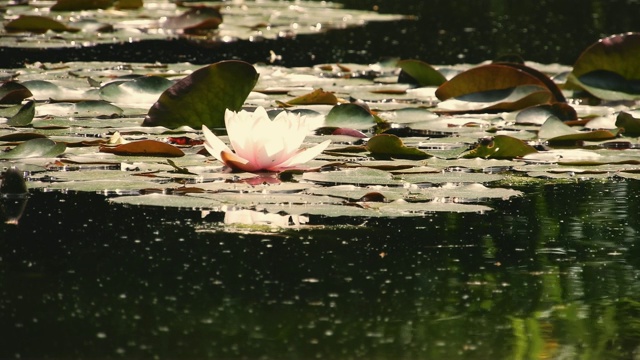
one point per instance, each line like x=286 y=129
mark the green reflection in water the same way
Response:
x=549 y=275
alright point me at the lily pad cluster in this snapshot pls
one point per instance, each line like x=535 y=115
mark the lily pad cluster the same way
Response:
x=405 y=140
x=65 y=23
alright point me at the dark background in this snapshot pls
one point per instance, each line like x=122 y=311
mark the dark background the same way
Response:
x=444 y=32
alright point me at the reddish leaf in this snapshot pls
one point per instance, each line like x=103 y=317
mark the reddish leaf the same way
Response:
x=144 y=148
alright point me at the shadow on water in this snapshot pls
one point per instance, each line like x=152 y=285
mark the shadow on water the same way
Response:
x=553 y=274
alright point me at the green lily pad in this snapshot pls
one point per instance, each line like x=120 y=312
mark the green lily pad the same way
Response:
x=202 y=97
x=356 y=176
x=196 y=18
x=391 y=146
x=554 y=130
x=24 y=116
x=608 y=68
x=423 y=73
x=75 y=5
x=501 y=147
x=37 y=24
x=12 y=92
x=538 y=114
x=139 y=90
x=40 y=147
x=350 y=116
x=628 y=124
x=88 y=108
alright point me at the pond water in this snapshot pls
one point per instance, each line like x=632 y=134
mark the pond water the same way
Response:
x=551 y=274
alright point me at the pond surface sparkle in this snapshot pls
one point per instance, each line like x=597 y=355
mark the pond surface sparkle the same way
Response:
x=552 y=274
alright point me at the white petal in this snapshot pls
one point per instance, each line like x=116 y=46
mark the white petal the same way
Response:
x=213 y=144
x=305 y=155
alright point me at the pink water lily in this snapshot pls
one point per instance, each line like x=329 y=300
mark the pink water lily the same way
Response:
x=262 y=144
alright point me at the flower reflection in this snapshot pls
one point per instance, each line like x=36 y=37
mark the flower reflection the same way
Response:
x=252 y=217
x=260 y=143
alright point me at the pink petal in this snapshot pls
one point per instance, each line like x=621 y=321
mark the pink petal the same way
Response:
x=213 y=144
x=305 y=155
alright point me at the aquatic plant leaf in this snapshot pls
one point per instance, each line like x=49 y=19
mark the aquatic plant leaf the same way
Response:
x=24 y=116
x=357 y=176
x=317 y=96
x=628 y=124
x=36 y=24
x=491 y=77
x=608 y=68
x=508 y=99
x=202 y=97
x=88 y=108
x=128 y=4
x=144 y=148
x=195 y=18
x=140 y=90
x=554 y=130
x=75 y=5
x=538 y=114
x=40 y=147
x=12 y=92
x=500 y=147
x=350 y=116
x=423 y=73
x=391 y=146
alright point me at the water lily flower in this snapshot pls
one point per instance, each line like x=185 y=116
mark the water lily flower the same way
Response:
x=261 y=144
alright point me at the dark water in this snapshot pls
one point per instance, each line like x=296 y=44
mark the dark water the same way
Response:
x=444 y=32
x=553 y=274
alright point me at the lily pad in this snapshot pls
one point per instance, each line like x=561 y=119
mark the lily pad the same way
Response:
x=39 y=147
x=491 y=77
x=145 y=89
x=554 y=130
x=317 y=96
x=423 y=73
x=196 y=18
x=628 y=124
x=608 y=68
x=12 y=92
x=75 y=5
x=350 y=116
x=37 y=24
x=391 y=146
x=507 y=99
x=202 y=97
x=24 y=116
x=144 y=148
x=500 y=147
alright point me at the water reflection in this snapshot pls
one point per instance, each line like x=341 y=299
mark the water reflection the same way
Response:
x=552 y=274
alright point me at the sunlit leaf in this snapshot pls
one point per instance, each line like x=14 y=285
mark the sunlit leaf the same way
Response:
x=500 y=147
x=12 y=92
x=144 y=148
x=491 y=77
x=508 y=99
x=350 y=116
x=317 y=96
x=423 y=73
x=75 y=5
x=202 y=97
x=195 y=18
x=144 y=89
x=391 y=146
x=554 y=130
x=24 y=116
x=37 y=24
x=538 y=114
x=608 y=68
x=40 y=147
x=628 y=124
